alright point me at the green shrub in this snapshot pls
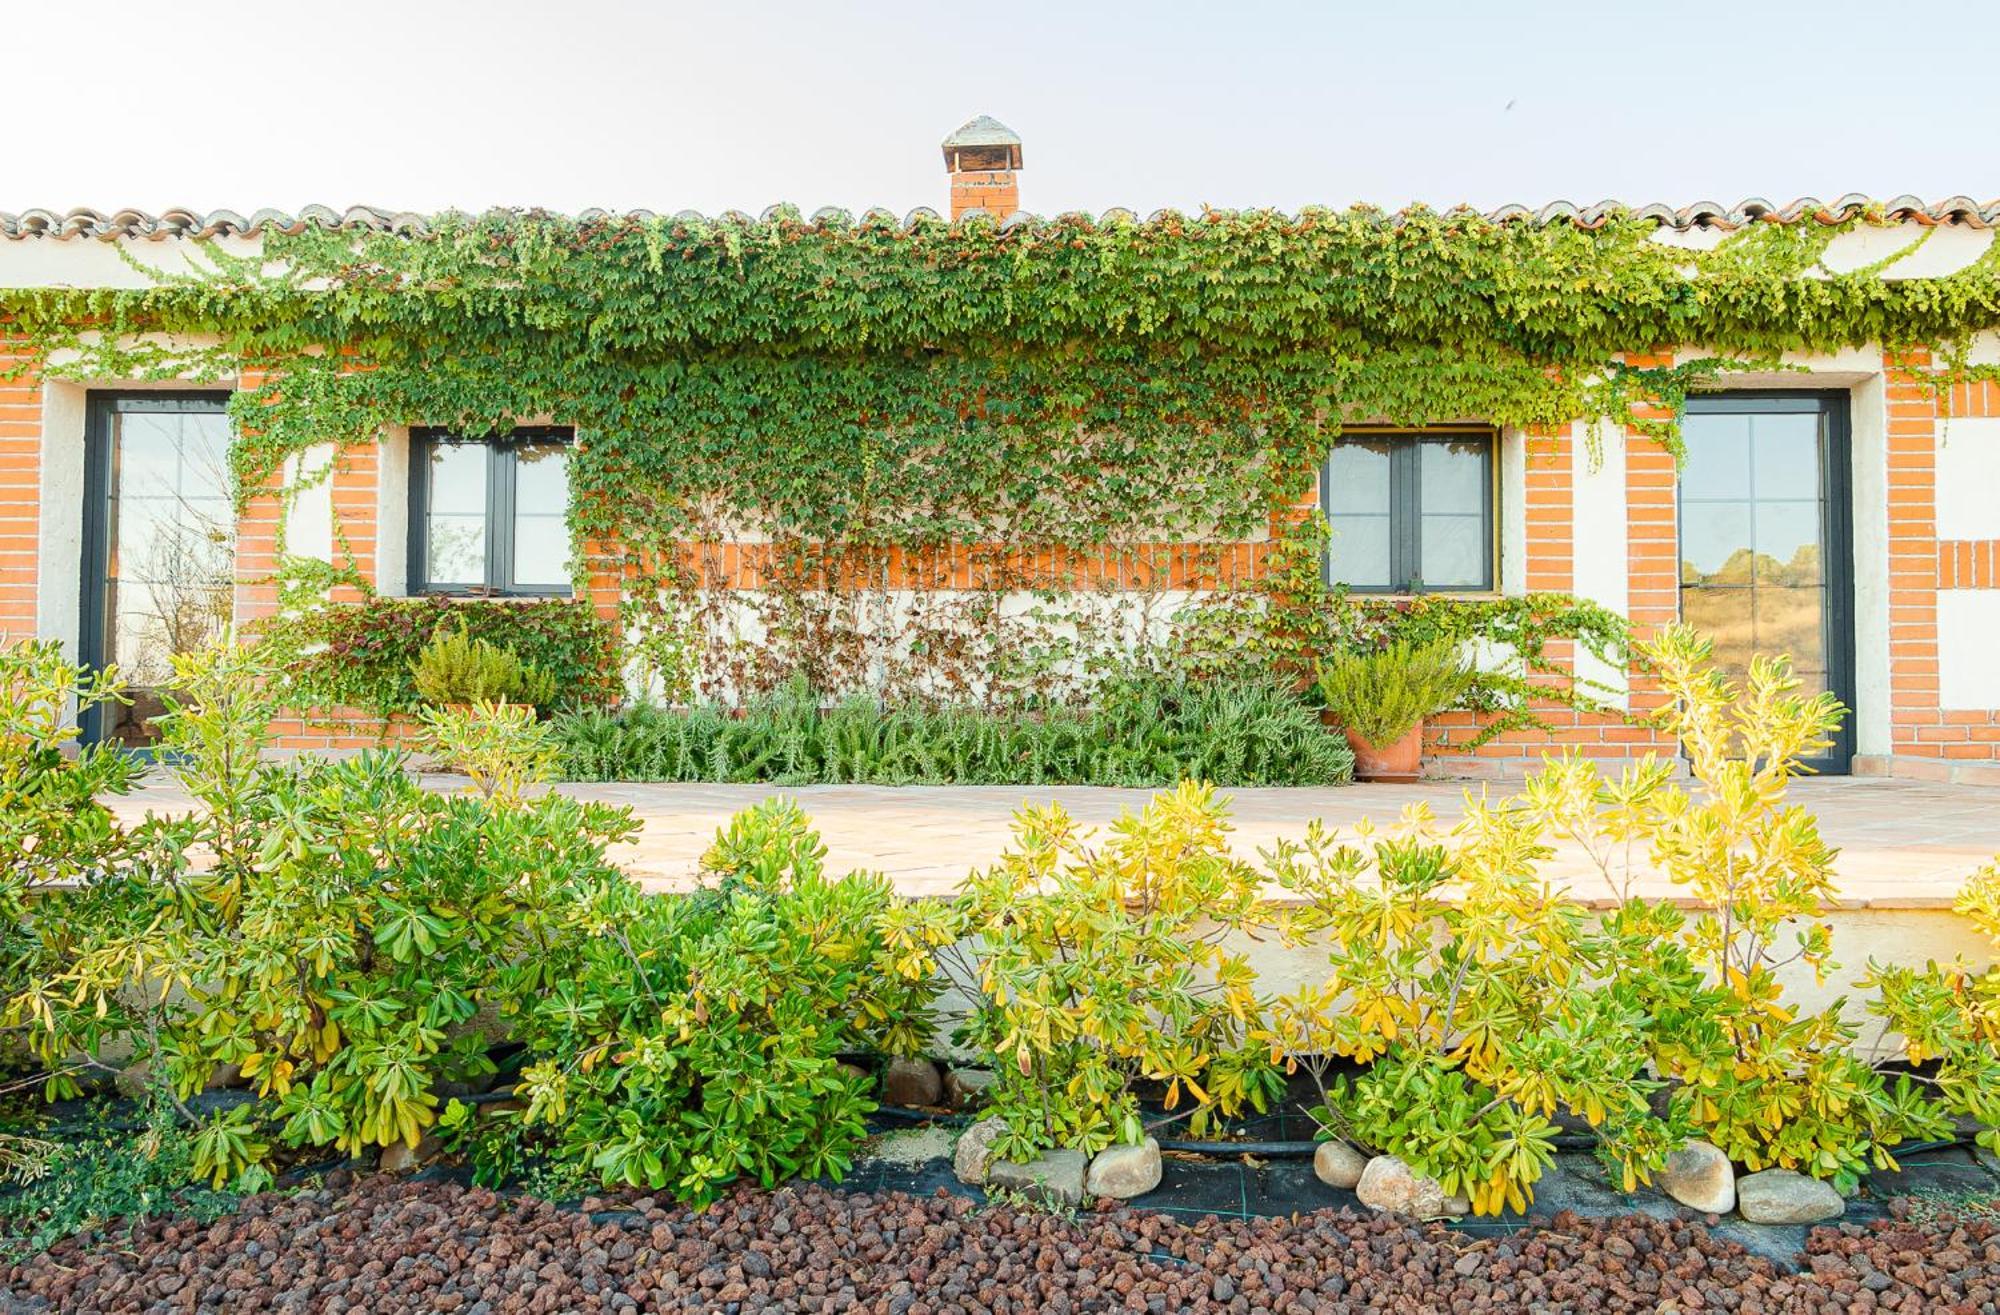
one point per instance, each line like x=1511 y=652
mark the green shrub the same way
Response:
x=699 y=1037
x=455 y=668
x=89 y=1179
x=1139 y=732
x=335 y=948
x=1380 y=695
x=58 y=840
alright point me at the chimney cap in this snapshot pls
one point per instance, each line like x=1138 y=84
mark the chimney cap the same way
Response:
x=984 y=131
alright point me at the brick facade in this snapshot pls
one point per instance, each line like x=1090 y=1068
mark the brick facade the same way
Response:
x=1925 y=738
x=20 y=498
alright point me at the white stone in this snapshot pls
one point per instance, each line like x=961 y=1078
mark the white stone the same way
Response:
x=1337 y=1164
x=1700 y=1176
x=1389 y=1184
x=1124 y=1172
x=1780 y=1196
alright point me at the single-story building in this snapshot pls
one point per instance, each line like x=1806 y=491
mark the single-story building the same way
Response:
x=1838 y=500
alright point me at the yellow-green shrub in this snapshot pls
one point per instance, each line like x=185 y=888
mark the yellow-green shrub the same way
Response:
x=1099 y=966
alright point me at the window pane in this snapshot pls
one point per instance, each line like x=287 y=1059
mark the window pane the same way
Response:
x=1715 y=543
x=1725 y=616
x=458 y=479
x=1357 y=478
x=148 y=455
x=1358 y=552
x=1785 y=455
x=1454 y=552
x=1793 y=622
x=1788 y=543
x=541 y=551
x=1718 y=456
x=1453 y=476
x=541 y=479
x=457 y=550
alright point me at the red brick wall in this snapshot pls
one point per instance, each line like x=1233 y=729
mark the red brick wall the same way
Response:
x=1927 y=739
x=20 y=496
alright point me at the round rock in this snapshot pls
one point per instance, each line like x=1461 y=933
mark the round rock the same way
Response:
x=1337 y=1164
x=1700 y=1176
x=1389 y=1184
x=1780 y=1196
x=1124 y=1171
x=967 y=1088
x=912 y=1082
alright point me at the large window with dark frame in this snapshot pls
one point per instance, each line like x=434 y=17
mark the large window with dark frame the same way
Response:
x=490 y=515
x=1410 y=512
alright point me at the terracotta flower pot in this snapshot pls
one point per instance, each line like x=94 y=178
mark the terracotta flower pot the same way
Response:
x=1399 y=761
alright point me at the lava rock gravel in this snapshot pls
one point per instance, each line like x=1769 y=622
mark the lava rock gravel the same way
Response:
x=380 y=1245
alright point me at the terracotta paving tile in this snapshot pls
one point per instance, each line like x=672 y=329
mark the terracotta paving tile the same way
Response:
x=1904 y=844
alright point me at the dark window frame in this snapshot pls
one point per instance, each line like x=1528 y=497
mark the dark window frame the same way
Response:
x=500 y=507
x=101 y=409
x=1834 y=409
x=1406 y=512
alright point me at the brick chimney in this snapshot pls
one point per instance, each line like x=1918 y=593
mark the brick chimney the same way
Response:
x=983 y=158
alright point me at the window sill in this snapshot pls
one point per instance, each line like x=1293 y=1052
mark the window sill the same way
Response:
x=1465 y=595
x=469 y=596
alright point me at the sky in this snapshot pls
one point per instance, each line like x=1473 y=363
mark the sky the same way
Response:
x=428 y=104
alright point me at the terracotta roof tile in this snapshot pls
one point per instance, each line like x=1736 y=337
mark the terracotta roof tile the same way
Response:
x=1702 y=214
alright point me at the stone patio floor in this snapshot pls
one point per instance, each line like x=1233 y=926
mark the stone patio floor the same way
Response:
x=1905 y=844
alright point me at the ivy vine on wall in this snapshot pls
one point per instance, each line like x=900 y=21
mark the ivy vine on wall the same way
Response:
x=854 y=397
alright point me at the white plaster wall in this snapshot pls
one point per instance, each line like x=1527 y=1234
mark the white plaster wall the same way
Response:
x=59 y=533
x=1968 y=642
x=392 y=513
x=1131 y=618
x=1599 y=543
x=1868 y=417
x=1512 y=572
x=1968 y=478
x=40 y=262
x=1927 y=250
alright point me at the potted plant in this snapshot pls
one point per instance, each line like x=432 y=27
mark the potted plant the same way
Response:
x=1381 y=698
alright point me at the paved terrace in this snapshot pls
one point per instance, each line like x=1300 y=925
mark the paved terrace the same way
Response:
x=1904 y=844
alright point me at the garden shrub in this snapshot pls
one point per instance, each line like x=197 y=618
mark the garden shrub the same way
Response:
x=1476 y=995
x=1946 y=1017
x=1769 y=1084
x=58 y=839
x=456 y=668
x=1147 y=731
x=1483 y=1002
x=75 y=1179
x=1101 y=966
x=699 y=1038
x=336 y=945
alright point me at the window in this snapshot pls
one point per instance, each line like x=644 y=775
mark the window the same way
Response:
x=1410 y=512
x=489 y=515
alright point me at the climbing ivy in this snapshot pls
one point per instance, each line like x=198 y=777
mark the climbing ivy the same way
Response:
x=854 y=396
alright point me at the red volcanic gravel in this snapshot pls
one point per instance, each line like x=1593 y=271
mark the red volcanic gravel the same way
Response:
x=377 y=1244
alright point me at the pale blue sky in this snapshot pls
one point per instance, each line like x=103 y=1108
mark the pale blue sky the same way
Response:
x=741 y=103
